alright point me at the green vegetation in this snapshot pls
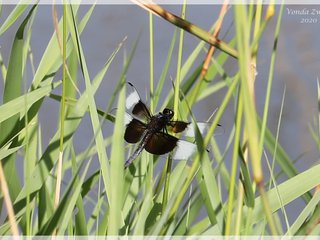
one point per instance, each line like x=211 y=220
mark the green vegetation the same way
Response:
x=57 y=183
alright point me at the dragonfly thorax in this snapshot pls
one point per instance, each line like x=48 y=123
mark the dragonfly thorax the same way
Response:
x=158 y=122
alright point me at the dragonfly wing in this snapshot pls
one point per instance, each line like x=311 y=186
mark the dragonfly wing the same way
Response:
x=203 y=128
x=134 y=131
x=161 y=143
x=135 y=105
x=177 y=126
x=184 y=150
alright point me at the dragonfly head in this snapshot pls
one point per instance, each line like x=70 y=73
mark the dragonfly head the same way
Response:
x=168 y=113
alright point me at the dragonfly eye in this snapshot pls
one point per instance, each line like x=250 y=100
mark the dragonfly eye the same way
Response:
x=168 y=112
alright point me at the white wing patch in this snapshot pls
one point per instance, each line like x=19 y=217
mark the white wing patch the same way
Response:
x=132 y=99
x=190 y=130
x=184 y=150
x=127 y=118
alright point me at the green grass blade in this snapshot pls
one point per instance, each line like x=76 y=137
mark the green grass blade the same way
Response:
x=192 y=28
x=48 y=68
x=116 y=168
x=270 y=77
x=74 y=117
x=234 y=168
x=289 y=191
x=65 y=209
x=5 y=152
x=10 y=127
x=80 y=218
x=190 y=214
x=17 y=105
x=144 y=212
x=209 y=189
x=13 y=16
x=103 y=159
x=13 y=83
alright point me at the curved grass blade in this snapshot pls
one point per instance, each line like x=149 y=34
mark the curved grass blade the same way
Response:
x=13 y=16
x=17 y=105
x=288 y=190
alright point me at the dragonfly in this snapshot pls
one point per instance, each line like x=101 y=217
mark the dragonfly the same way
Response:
x=152 y=131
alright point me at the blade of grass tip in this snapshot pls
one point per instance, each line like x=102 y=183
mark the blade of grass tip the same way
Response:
x=27 y=47
x=13 y=16
x=185 y=87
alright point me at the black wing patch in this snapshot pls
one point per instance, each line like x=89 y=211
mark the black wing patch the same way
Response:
x=177 y=126
x=134 y=131
x=141 y=110
x=161 y=143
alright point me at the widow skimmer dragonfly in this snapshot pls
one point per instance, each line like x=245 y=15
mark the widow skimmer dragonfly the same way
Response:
x=152 y=130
